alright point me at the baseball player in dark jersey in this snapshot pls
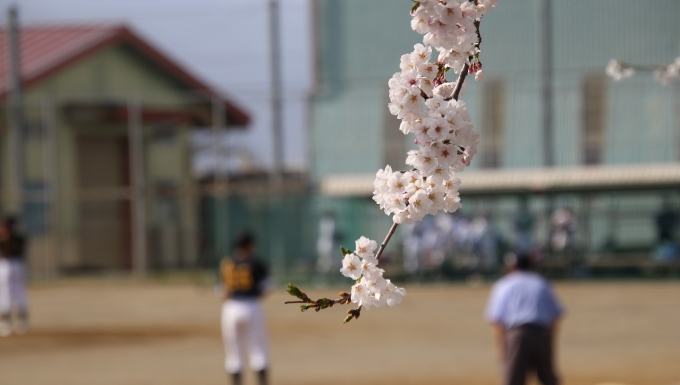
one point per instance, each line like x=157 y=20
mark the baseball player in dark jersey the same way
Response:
x=243 y=325
x=12 y=280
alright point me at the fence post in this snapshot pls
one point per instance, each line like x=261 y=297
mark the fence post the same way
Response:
x=137 y=183
x=15 y=116
x=220 y=180
x=51 y=189
x=676 y=100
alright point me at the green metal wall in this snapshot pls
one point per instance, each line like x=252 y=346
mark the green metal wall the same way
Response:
x=284 y=227
x=361 y=43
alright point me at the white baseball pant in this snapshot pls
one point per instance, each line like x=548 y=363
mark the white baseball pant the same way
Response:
x=12 y=286
x=244 y=334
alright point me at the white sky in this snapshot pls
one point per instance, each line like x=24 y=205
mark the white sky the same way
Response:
x=225 y=43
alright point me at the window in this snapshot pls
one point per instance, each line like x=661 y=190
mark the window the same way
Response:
x=493 y=123
x=593 y=133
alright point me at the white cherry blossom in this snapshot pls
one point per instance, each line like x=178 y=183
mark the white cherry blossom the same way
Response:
x=381 y=178
x=421 y=54
x=362 y=295
x=365 y=247
x=351 y=266
x=420 y=204
x=392 y=294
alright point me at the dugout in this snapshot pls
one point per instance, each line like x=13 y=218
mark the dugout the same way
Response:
x=615 y=208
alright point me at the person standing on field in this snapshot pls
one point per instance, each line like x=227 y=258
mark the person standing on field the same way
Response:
x=12 y=280
x=524 y=313
x=243 y=325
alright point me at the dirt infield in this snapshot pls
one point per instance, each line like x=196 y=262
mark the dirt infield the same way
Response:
x=131 y=334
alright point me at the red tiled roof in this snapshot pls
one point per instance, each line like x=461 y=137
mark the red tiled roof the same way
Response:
x=46 y=50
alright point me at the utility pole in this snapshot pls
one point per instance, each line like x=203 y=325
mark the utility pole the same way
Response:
x=276 y=176
x=15 y=113
x=275 y=67
x=546 y=42
x=546 y=58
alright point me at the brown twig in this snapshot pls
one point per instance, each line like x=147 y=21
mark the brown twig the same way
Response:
x=459 y=82
x=344 y=297
x=386 y=241
x=319 y=304
x=644 y=68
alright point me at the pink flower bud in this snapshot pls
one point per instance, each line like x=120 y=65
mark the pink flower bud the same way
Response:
x=479 y=76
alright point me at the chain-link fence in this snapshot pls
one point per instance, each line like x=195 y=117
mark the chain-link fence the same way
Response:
x=115 y=185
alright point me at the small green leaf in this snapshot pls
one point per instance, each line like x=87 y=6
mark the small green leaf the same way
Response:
x=345 y=251
x=304 y=308
x=416 y=4
x=295 y=292
x=348 y=318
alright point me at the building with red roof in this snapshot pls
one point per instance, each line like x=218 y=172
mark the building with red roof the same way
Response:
x=106 y=133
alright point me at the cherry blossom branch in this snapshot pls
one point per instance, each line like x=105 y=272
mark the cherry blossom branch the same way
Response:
x=663 y=73
x=456 y=92
x=429 y=107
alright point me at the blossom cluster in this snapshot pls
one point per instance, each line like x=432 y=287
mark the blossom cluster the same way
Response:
x=664 y=74
x=618 y=70
x=425 y=102
x=449 y=27
x=429 y=108
x=371 y=289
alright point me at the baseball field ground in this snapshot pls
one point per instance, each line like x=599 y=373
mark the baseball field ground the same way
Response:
x=113 y=333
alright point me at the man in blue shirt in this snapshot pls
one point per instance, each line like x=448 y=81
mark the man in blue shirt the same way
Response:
x=524 y=313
